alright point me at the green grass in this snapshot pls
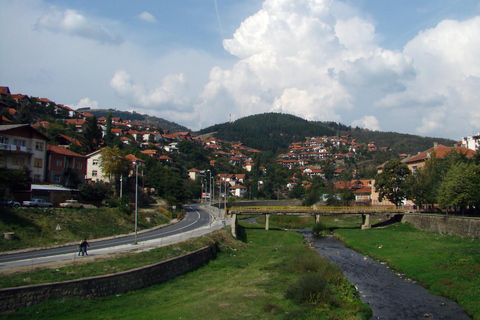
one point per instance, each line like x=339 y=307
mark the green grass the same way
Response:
x=110 y=265
x=447 y=265
x=248 y=280
x=37 y=227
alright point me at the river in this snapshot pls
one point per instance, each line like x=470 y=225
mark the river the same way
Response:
x=389 y=294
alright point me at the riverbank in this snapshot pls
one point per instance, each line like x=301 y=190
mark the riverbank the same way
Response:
x=447 y=265
x=265 y=276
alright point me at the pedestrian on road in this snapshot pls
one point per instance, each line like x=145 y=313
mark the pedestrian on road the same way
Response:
x=83 y=247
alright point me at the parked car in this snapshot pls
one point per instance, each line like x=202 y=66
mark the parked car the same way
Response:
x=71 y=204
x=11 y=203
x=37 y=203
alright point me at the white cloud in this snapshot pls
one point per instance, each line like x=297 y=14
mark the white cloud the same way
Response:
x=169 y=95
x=74 y=24
x=85 y=102
x=147 y=17
x=369 y=122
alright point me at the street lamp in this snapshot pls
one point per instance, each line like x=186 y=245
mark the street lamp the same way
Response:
x=210 y=183
x=136 y=199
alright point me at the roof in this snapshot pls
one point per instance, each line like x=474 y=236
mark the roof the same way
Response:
x=440 y=152
x=9 y=127
x=63 y=151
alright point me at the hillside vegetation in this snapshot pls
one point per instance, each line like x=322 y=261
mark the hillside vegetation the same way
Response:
x=275 y=131
x=269 y=131
x=144 y=118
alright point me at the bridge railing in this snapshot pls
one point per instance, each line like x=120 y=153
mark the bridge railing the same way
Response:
x=292 y=209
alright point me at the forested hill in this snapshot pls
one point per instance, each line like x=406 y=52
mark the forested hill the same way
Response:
x=143 y=118
x=269 y=131
x=398 y=142
x=275 y=131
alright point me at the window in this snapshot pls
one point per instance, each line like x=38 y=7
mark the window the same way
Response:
x=94 y=173
x=37 y=178
x=56 y=179
x=38 y=163
x=17 y=161
x=39 y=146
x=95 y=162
x=79 y=165
x=18 y=142
x=4 y=140
x=59 y=163
x=414 y=169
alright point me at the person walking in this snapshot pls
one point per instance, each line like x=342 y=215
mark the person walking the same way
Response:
x=83 y=247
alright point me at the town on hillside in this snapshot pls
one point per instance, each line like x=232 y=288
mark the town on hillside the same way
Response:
x=59 y=153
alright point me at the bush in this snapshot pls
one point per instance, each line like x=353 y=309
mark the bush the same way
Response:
x=311 y=288
x=320 y=230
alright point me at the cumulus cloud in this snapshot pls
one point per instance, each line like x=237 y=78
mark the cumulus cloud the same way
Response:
x=84 y=103
x=72 y=23
x=299 y=57
x=444 y=91
x=321 y=61
x=169 y=95
x=147 y=17
x=369 y=122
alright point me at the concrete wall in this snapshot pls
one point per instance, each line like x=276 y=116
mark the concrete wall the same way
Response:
x=461 y=226
x=101 y=286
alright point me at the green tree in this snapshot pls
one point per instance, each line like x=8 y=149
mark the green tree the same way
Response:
x=391 y=183
x=108 y=131
x=422 y=186
x=460 y=187
x=113 y=163
x=92 y=135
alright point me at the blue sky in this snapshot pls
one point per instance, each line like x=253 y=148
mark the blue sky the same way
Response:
x=405 y=66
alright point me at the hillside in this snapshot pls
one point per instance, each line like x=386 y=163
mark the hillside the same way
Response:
x=269 y=131
x=275 y=131
x=144 y=118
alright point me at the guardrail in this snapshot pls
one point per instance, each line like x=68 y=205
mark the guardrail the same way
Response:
x=290 y=209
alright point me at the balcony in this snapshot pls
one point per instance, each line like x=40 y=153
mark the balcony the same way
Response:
x=14 y=148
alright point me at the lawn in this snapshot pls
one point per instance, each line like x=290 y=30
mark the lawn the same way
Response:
x=447 y=265
x=270 y=275
x=38 y=227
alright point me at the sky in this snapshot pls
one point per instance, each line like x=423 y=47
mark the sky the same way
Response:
x=406 y=66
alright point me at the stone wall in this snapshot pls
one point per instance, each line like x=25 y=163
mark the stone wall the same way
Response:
x=101 y=286
x=461 y=226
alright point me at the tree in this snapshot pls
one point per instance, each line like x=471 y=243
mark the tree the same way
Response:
x=108 y=129
x=391 y=183
x=422 y=186
x=113 y=163
x=91 y=136
x=460 y=187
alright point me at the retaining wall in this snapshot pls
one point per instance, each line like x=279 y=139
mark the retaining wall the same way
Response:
x=13 y=298
x=461 y=226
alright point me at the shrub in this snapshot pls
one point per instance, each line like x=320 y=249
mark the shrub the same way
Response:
x=311 y=288
x=320 y=230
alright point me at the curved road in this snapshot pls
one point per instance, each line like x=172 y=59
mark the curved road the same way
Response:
x=197 y=217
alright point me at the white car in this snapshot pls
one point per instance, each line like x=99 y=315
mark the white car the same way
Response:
x=37 y=203
x=71 y=204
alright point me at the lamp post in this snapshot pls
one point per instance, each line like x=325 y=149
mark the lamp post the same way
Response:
x=136 y=199
x=210 y=189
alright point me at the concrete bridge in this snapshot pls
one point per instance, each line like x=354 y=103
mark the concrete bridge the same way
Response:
x=316 y=212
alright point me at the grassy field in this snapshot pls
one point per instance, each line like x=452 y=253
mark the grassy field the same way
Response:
x=447 y=265
x=37 y=227
x=270 y=275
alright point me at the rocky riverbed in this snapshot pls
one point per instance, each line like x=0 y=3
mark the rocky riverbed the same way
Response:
x=390 y=295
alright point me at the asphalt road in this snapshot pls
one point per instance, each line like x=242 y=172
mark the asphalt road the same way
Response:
x=196 y=217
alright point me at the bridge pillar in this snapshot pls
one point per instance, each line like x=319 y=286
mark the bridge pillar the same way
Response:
x=233 y=225
x=317 y=218
x=267 y=221
x=366 y=221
